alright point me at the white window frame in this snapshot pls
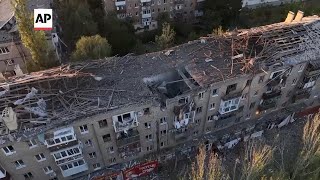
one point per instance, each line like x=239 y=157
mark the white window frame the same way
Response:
x=19 y=164
x=201 y=95
x=59 y=153
x=33 y=142
x=216 y=93
x=92 y=155
x=84 y=129
x=47 y=170
x=96 y=166
x=9 y=151
x=225 y=106
x=212 y=106
x=42 y=157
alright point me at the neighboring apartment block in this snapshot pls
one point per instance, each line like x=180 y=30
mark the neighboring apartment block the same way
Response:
x=259 y=3
x=13 y=54
x=144 y=13
x=76 y=119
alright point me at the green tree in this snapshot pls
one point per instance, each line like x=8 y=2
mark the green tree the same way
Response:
x=42 y=55
x=166 y=39
x=76 y=20
x=91 y=47
x=120 y=34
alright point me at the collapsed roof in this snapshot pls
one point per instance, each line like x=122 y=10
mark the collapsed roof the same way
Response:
x=58 y=96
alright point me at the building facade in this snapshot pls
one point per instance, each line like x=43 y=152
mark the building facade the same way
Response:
x=145 y=13
x=68 y=122
x=259 y=3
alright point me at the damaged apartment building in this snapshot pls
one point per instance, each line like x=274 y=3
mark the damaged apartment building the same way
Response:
x=76 y=119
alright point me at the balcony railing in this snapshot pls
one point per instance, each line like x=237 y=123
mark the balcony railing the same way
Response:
x=67 y=160
x=132 y=152
x=63 y=146
x=302 y=94
x=128 y=140
x=273 y=94
x=267 y=105
x=232 y=95
x=75 y=170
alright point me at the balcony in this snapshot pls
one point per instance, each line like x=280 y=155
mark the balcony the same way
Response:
x=273 y=94
x=63 y=146
x=125 y=121
x=131 y=137
x=231 y=95
x=120 y=3
x=69 y=159
x=75 y=170
x=187 y=118
x=267 y=105
x=145 y=1
x=131 y=153
x=302 y=94
x=130 y=149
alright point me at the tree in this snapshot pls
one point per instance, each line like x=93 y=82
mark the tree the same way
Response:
x=35 y=41
x=91 y=47
x=166 y=39
x=76 y=21
x=197 y=167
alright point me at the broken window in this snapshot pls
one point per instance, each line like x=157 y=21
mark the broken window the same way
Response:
x=124 y=117
x=211 y=118
x=256 y=93
x=149 y=148
x=163 y=132
x=146 y=111
x=252 y=105
x=111 y=150
x=163 y=120
x=8 y=150
x=261 y=78
x=294 y=81
x=83 y=129
x=112 y=160
x=197 y=121
x=147 y=125
x=149 y=137
x=103 y=123
x=200 y=95
x=183 y=100
x=231 y=88
x=106 y=138
x=214 y=92
x=229 y=105
x=248 y=82
x=212 y=106
x=92 y=155
x=199 y=109
x=162 y=144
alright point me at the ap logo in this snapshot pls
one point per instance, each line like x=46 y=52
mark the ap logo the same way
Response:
x=42 y=19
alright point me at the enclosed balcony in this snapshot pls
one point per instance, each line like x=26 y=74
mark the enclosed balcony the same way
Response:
x=131 y=136
x=60 y=139
x=120 y=2
x=74 y=168
x=272 y=94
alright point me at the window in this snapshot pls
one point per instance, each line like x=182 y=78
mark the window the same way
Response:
x=4 y=50
x=111 y=150
x=215 y=92
x=40 y=157
x=195 y=133
x=212 y=106
x=261 y=78
x=183 y=100
x=124 y=117
x=244 y=96
x=103 y=123
x=256 y=93
x=199 y=109
x=47 y=170
x=163 y=120
x=92 y=155
x=106 y=138
x=32 y=143
x=294 y=81
x=9 y=62
x=252 y=105
x=208 y=129
x=269 y=89
x=231 y=88
x=162 y=144
x=211 y=118
x=300 y=68
x=147 y=125
x=96 y=166
x=146 y=111
x=28 y=175
x=149 y=137
x=88 y=142
x=163 y=132
x=72 y=165
x=8 y=150
x=19 y=164
x=200 y=95
x=112 y=160
x=248 y=82
x=83 y=129
x=229 y=105
x=197 y=121
x=149 y=148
